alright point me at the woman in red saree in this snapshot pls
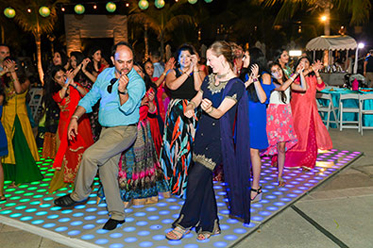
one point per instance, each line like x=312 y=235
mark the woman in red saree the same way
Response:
x=67 y=95
x=311 y=131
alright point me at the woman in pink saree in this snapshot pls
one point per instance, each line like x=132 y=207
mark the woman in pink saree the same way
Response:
x=311 y=131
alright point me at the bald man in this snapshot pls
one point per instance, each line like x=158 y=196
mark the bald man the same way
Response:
x=120 y=90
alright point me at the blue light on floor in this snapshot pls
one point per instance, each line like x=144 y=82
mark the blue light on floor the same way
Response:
x=147 y=225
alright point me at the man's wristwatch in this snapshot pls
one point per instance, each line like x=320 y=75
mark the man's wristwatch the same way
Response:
x=125 y=92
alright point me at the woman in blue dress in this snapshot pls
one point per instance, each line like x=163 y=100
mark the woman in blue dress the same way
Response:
x=3 y=144
x=259 y=86
x=222 y=137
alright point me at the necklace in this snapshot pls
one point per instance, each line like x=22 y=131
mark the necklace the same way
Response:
x=222 y=75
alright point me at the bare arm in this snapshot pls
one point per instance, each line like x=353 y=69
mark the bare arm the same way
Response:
x=194 y=103
x=87 y=73
x=169 y=65
x=226 y=105
x=365 y=68
x=72 y=130
x=174 y=83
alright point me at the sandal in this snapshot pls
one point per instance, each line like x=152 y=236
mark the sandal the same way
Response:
x=177 y=233
x=2 y=198
x=205 y=235
x=281 y=182
x=258 y=196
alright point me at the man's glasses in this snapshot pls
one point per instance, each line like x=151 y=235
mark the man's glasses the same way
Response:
x=110 y=87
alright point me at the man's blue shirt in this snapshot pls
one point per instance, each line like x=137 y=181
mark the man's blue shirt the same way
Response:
x=111 y=113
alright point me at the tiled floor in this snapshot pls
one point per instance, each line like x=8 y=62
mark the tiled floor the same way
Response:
x=29 y=207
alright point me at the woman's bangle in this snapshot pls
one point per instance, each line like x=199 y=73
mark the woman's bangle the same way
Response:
x=212 y=108
x=75 y=117
x=318 y=77
x=164 y=73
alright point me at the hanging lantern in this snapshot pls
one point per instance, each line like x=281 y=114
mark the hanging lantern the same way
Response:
x=143 y=4
x=208 y=1
x=159 y=4
x=10 y=12
x=79 y=9
x=44 y=11
x=111 y=7
x=192 y=1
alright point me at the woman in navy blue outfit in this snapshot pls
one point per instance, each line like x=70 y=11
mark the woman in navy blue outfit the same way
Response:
x=259 y=86
x=222 y=137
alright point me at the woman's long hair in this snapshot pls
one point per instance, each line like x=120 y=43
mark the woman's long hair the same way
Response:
x=256 y=57
x=298 y=62
x=284 y=78
x=91 y=52
x=184 y=47
x=51 y=88
x=80 y=76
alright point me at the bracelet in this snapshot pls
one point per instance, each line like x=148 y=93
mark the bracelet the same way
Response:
x=123 y=92
x=255 y=79
x=75 y=117
x=164 y=73
x=212 y=108
x=192 y=103
x=318 y=77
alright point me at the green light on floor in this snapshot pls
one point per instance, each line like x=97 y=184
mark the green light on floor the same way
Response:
x=19 y=192
x=15 y=198
x=48 y=198
x=45 y=164
x=10 y=204
x=49 y=160
x=47 y=179
x=15 y=215
x=32 y=188
x=38 y=196
x=20 y=207
x=24 y=200
x=43 y=168
x=10 y=190
x=39 y=162
x=29 y=194
x=35 y=183
x=35 y=203
x=23 y=186
x=6 y=212
x=44 y=184
x=41 y=190
x=49 y=174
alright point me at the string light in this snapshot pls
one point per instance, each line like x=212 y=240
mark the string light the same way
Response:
x=95 y=6
x=63 y=9
x=29 y=10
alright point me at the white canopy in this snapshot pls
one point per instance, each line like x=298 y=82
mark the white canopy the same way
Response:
x=335 y=42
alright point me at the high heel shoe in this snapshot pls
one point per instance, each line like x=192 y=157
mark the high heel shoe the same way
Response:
x=258 y=196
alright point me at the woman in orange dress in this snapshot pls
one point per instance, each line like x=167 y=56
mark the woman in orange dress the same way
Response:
x=311 y=131
x=67 y=95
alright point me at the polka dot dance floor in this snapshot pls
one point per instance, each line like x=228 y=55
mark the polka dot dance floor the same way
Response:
x=30 y=208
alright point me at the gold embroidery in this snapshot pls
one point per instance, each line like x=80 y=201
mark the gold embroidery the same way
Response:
x=234 y=97
x=215 y=88
x=207 y=162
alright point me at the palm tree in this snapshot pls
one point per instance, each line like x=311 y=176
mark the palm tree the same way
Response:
x=359 y=9
x=162 y=21
x=36 y=24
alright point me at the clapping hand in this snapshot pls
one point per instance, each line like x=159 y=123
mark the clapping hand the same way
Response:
x=206 y=105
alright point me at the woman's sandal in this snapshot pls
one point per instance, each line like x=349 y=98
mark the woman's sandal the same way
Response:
x=204 y=236
x=258 y=195
x=281 y=182
x=177 y=233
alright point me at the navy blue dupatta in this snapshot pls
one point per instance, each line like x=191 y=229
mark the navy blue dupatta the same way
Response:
x=236 y=155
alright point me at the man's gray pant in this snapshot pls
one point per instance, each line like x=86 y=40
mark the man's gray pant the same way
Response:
x=104 y=155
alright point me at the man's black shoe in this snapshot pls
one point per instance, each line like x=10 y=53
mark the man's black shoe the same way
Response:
x=111 y=224
x=64 y=201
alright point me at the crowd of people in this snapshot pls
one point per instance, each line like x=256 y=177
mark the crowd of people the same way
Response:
x=152 y=128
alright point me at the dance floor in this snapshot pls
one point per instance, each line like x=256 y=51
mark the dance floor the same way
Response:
x=30 y=208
